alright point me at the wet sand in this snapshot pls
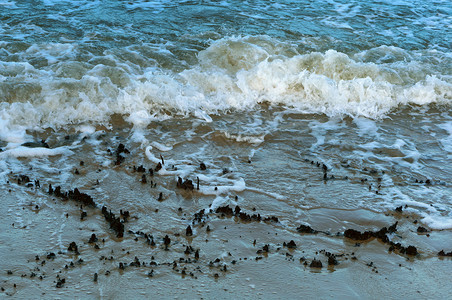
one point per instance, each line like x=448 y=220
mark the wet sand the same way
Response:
x=224 y=254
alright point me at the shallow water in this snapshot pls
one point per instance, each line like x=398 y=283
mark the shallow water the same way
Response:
x=265 y=95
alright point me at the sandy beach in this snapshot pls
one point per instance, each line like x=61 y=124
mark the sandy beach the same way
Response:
x=225 y=254
x=225 y=149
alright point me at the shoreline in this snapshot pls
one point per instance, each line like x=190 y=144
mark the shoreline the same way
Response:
x=239 y=255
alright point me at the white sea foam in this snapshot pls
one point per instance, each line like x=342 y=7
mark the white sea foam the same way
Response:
x=437 y=222
x=155 y=6
x=161 y=147
x=34 y=152
x=247 y=139
x=217 y=202
x=237 y=186
x=140 y=119
x=234 y=73
x=366 y=127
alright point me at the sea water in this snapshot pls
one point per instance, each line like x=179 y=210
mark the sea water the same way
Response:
x=263 y=92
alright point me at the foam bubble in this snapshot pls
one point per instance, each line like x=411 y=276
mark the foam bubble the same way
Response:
x=366 y=127
x=140 y=118
x=34 y=152
x=161 y=147
x=247 y=139
x=237 y=186
x=437 y=222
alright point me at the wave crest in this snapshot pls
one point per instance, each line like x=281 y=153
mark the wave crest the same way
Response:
x=233 y=73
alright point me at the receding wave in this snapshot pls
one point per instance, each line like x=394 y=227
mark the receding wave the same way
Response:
x=56 y=84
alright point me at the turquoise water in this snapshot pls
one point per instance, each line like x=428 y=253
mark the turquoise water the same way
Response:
x=346 y=26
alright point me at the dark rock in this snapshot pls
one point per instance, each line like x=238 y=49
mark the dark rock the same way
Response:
x=271 y=219
x=363 y=236
x=141 y=169
x=73 y=247
x=305 y=229
x=93 y=238
x=121 y=151
x=421 y=229
x=186 y=185
x=77 y=196
x=399 y=209
x=23 y=179
x=265 y=249
x=135 y=263
x=115 y=223
x=60 y=283
x=316 y=264
x=244 y=217
x=393 y=227
x=166 y=240
x=188 y=231
x=291 y=245
x=226 y=210
x=199 y=216
x=356 y=235
x=124 y=214
x=202 y=166
x=411 y=250
x=150 y=240
x=442 y=253
x=332 y=261
x=158 y=167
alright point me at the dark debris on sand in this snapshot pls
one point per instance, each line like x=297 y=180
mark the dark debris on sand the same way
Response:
x=115 y=223
x=201 y=217
x=74 y=195
x=442 y=253
x=120 y=154
x=226 y=211
x=381 y=235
